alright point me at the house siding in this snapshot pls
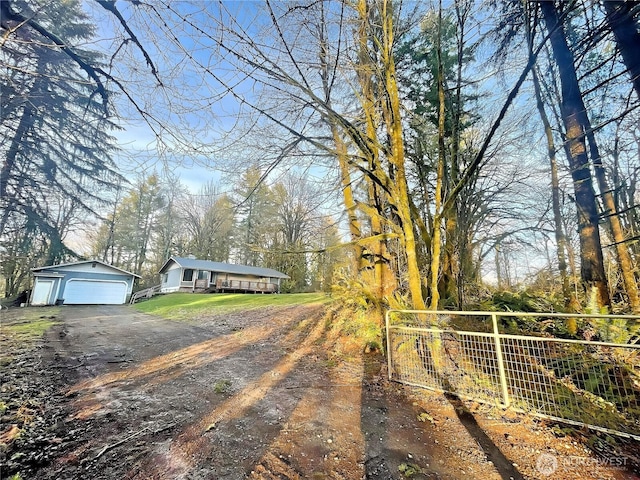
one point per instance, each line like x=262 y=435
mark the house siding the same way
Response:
x=174 y=276
x=88 y=267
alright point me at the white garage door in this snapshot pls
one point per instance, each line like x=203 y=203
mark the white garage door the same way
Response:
x=94 y=292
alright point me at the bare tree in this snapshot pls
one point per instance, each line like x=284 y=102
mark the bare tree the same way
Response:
x=625 y=28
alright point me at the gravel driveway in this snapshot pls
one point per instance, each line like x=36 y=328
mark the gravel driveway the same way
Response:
x=269 y=393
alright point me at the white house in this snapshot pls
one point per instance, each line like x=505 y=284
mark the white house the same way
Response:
x=179 y=274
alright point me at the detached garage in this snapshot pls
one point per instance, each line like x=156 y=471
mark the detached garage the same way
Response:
x=89 y=282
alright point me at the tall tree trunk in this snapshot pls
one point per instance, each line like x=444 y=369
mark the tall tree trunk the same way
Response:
x=624 y=197
x=592 y=262
x=610 y=206
x=452 y=263
x=348 y=200
x=110 y=244
x=384 y=277
x=26 y=122
x=393 y=121
x=438 y=216
x=8 y=165
x=499 y=279
x=342 y=157
x=435 y=344
x=613 y=219
x=625 y=30
x=561 y=239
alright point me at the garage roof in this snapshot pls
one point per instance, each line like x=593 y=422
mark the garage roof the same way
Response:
x=222 y=267
x=72 y=264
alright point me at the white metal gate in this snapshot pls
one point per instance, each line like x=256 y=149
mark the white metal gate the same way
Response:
x=590 y=383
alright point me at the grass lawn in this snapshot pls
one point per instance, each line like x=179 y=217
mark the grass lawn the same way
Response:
x=27 y=323
x=20 y=328
x=179 y=306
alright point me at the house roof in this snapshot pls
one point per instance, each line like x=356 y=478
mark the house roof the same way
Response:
x=71 y=264
x=222 y=267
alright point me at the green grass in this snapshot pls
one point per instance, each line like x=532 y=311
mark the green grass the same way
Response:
x=179 y=306
x=27 y=323
x=222 y=386
x=28 y=330
x=21 y=328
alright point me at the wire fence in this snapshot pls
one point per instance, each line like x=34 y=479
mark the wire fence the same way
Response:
x=533 y=363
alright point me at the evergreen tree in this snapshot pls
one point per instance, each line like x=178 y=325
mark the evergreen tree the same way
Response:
x=129 y=233
x=54 y=124
x=255 y=209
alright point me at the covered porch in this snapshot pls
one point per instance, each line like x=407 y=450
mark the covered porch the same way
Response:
x=211 y=282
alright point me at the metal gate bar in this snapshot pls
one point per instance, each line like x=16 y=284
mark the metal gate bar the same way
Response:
x=586 y=383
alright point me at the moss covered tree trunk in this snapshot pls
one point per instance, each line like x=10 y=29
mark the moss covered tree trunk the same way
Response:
x=393 y=123
x=612 y=219
x=592 y=262
x=440 y=173
x=384 y=279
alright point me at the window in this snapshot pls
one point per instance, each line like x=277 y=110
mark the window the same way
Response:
x=165 y=277
x=203 y=275
x=187 y=276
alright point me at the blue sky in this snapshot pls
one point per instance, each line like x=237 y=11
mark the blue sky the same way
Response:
x=191 y=101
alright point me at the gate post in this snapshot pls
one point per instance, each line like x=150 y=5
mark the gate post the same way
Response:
x=503 y=376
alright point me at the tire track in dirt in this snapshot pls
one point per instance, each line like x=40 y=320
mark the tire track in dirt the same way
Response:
x=176 y=363
x=164 y=368
x=116 y=404
x=191 y=443
x=322 y=437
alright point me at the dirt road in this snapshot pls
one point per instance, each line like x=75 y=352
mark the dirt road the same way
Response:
x=260 y=395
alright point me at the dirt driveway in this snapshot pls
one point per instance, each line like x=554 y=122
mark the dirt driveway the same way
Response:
x=260 y=395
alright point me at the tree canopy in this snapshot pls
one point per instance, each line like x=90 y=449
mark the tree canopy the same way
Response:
x=450 y=143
